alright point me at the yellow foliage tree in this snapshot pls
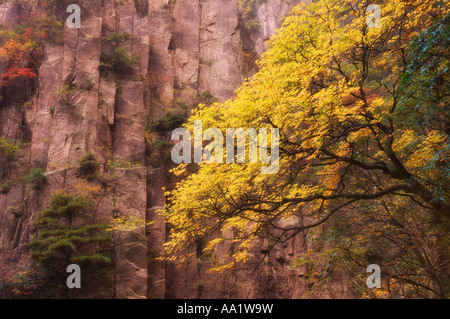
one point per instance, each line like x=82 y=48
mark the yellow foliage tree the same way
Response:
x=349 y=164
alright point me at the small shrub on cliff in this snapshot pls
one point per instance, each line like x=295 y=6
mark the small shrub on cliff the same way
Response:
x=5 y=186
x=115 y=39
x=36 y=178
x=8 y=156
x=86 y=84
x=88 y=165
x=252 y=25
x=248 y=10
x=51 y=28
x=117 y=63
x=115 y=60
x=205 y=98
x=166 y=123
x=65 y=94
x=158 y=134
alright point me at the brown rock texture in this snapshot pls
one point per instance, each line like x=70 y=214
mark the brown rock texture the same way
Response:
x=185 y=47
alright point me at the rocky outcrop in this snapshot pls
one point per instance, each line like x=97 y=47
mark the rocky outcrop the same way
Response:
x=185 y=47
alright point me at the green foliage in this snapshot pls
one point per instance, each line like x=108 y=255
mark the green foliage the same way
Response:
x=5 y=186
x=252 y=25
x=169 y=5
x=96 y=260
x=158 y=135
x=51 y=28
x=113 y=164
x=9 y=163
x=127 y=224
x=425 y=85
x=160 y=144
x=166 y=123
x=248 y=10
x=65 y=94
x=205 y=98
x=86 y=84
x=7 y=148
x=88 y=165
x=36 y=178
x=62 y=241
x=115 y=38
x=424 y=105
x=8 y=156
x=115 y=60
x=117 y=63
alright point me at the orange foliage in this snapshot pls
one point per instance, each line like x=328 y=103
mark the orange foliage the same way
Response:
x=21 y=54
x=14 y=72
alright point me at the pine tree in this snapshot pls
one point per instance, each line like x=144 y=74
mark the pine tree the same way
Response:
x=65 y=235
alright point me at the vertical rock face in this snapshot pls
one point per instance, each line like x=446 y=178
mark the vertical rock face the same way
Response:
x=220 y=48
x=185 y=47
x=8 y=14
x=270 y=15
